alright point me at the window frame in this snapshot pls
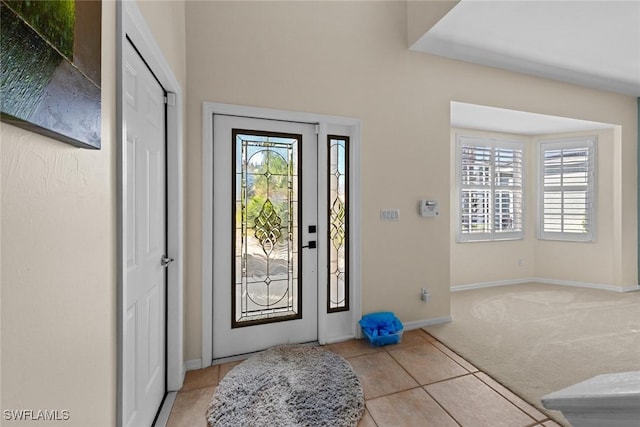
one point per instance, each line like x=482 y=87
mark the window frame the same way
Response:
x=590 y=142
x=345 y=305
x=492 y=143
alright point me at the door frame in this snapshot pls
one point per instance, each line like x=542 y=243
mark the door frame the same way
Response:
x=131 y=25
x=332 y=327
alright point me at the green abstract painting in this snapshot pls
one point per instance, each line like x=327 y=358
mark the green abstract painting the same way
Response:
x=50 y=68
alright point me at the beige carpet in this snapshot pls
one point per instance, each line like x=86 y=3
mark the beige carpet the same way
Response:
x=536 y=338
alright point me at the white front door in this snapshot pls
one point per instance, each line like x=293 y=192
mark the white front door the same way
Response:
x=265 y=284
x=145 y=246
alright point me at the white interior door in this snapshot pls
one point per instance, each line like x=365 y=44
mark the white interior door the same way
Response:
x=265 y=289
x=145 y=228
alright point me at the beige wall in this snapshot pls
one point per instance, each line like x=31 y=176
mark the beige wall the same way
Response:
x=422 y=15
x=166 y=21
x=58 y=211
x=593 y=263
x=351 y=58
x=58 y=267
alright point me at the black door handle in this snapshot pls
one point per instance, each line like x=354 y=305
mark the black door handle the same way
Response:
x=310 y=245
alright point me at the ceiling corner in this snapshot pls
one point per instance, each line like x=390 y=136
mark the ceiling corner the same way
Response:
x=423 y=15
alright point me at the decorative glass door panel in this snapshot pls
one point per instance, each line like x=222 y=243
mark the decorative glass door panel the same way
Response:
x=338 y=291
x=265 y=272
x=267 y=280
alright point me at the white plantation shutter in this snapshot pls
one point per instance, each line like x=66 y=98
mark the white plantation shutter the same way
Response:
x=508 y=190
x=567 y=196
x=490 y=186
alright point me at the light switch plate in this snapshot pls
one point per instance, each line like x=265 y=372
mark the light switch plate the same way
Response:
x=390 y=214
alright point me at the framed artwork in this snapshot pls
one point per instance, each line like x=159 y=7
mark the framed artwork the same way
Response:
x=50 y=68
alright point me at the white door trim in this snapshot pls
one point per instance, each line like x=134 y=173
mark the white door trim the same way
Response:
x=131 y=24
x=331 y=327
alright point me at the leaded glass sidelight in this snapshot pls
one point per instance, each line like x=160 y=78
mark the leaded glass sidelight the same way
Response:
x=338 y=284
x=266 y=222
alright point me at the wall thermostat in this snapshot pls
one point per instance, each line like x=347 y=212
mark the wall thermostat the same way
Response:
x=428 y=208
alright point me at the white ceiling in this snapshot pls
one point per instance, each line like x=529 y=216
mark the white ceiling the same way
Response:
x=482 y=117
x=590 y=43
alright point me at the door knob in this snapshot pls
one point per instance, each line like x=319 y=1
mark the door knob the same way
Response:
x=310 y=245
x=165 y=261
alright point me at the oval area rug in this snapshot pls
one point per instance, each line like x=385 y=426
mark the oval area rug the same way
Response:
x=290 y=385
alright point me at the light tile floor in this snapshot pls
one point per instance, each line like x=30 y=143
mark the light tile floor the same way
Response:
x=418 y=382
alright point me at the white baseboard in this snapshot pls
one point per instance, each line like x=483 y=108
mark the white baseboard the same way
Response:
x=334 y=340
x=480 y=285
x=572 y=283
x=407 y=326
x=582 y=284
x=417 y=324
x=193 y=365
x=175 y=387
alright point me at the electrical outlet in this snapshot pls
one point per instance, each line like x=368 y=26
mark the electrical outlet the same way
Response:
x=425 y=295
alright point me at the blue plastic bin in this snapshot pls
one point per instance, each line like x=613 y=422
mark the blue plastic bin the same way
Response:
x=381 y=328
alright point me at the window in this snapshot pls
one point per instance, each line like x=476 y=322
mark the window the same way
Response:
x=490 y=187
x=338 y=176
x=567 y=195
x=265 y=213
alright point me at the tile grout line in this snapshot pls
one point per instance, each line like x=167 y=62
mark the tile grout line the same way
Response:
x=459 y=364
x=478 y=370
x=535 y=422
x=401 y=365
x=394 y=393
x=435 y=382
x=421 y=386
x=385 y=350
x=455 y=420
x=510 y=401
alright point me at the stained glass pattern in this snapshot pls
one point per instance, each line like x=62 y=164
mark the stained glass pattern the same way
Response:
x=266 y=269
x=267 y=226
x=338 y=284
